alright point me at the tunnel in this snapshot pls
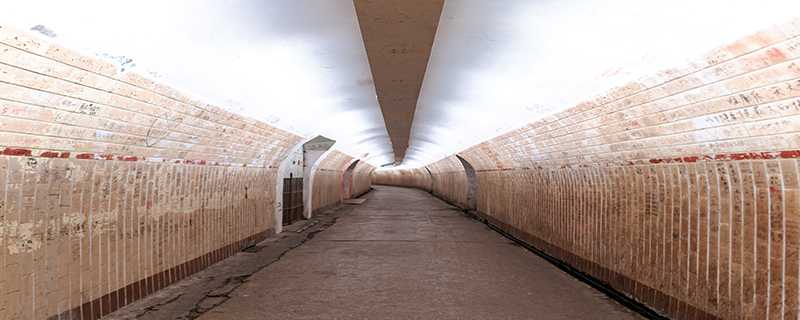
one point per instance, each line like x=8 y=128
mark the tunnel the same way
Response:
x=437 y=159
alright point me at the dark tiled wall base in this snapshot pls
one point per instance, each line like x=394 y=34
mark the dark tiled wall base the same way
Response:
x=358 y=195
x=320 y=210
x=651 y=297
x=124 y=296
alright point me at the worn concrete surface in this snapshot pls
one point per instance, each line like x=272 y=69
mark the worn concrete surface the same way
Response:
x=401 y=255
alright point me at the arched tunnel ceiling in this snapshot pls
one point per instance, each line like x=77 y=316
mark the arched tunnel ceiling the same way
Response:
x=304 y=65
x=297 y=65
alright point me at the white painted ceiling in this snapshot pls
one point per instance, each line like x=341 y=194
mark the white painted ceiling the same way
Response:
x=301 y=65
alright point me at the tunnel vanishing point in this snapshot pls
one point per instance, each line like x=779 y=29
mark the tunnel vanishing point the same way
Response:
x=652 y=147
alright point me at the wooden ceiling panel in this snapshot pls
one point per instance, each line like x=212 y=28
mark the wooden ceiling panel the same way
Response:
x=398 y=36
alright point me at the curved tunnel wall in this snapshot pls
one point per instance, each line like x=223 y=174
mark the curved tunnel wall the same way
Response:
x=113 y=186
x=680 y=190
x=361 y=180
x=330 y=172
x=412 y=178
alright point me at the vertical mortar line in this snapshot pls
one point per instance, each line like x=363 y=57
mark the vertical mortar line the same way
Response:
x=37 y=235
x=227 y=218
x=171 y=252
x=591 y=198
x=631 y=234
x=183 y=223
x=749 y=200
x=776 y=207
x=152 y=227
x=109 y=260
x=198 y=210
x=654 y=206
x=609 y=225
x=200 y=219
x=88 y=272
x=600 y=226
x=645 y=212
x=75 y=233
x=725 y=240
x=97 y=241
x=234 y=217
x=214 y=216
x=676 y=236
x=783 y=232
x=796 y=227
x=188 y=222
x=640 y=213
x=202 y=199
x=68 y=226
x=666 y=233
x=5 y=235
x=18 y=243
x=683 y=262
x=159 y=205
x=137 y=210
x=584 y=218
x=122 y=239
x=763 y=237
x=670 y=241
x=149 y=220
x=736 y=239
x=85 y=236
x=699 y=202
x=166 y=255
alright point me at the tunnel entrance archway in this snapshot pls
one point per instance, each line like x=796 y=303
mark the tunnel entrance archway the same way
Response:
x=291 y=197
x=295 y=179
x=472 y=184
x=314 y=151
x=348 y=181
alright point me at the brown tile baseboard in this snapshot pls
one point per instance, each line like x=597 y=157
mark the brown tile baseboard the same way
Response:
x=320 y=210
x=108 y=303
x=653 y=298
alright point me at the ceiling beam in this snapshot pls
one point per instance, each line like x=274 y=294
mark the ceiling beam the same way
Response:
x=398 y=36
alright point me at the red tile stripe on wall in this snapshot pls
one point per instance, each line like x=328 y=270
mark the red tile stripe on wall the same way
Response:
x=90 y=156
x=112 y=185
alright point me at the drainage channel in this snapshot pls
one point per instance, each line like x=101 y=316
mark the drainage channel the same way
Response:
x=609 y=291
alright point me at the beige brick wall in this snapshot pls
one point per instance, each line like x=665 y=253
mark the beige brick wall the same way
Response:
x=680 y=189
x=362 y=179
x=113 y=186
x=329 y=180
x=449 y=180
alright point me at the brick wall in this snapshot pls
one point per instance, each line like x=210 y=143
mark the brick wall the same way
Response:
x=449 y=180
x=680 y=189
x=113 y=186
x=330 y=172
x=362 y=179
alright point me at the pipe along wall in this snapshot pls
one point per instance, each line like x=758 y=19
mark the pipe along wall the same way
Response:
x=113 y=186
x=679 y=190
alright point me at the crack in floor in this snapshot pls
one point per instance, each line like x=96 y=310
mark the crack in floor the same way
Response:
x=153 y=307
x=211 y=299
x=202 y=292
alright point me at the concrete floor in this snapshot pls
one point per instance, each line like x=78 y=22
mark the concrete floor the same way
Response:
x=402 y=254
